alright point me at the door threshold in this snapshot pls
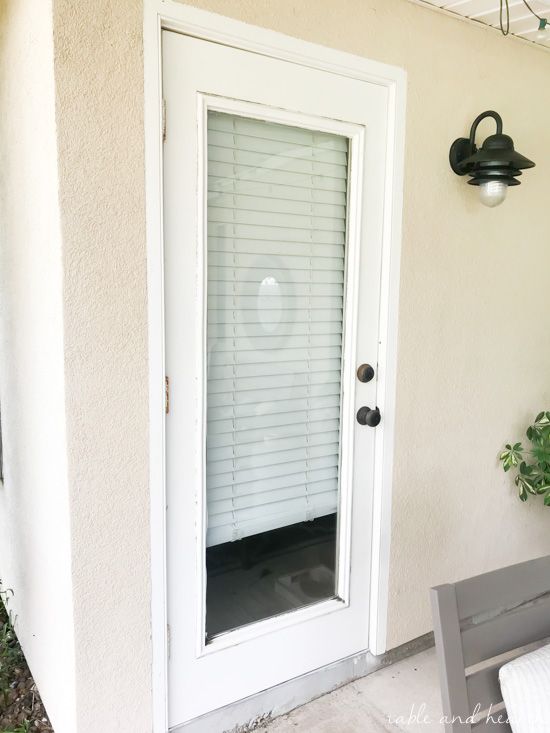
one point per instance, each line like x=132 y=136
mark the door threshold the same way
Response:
x=245 y=715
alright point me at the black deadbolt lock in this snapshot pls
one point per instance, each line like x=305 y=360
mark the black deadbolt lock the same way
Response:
x=366 y=416
x=365 y=373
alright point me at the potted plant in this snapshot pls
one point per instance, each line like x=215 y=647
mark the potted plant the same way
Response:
x=533 y=463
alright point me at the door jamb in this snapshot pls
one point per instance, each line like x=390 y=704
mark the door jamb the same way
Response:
x=172 y=15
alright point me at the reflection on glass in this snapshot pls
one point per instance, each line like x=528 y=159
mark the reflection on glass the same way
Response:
x=276 y=234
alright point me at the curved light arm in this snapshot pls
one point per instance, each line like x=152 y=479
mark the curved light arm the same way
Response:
x=497 y=118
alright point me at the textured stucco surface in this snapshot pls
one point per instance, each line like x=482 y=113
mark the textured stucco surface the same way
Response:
x=99 y=107
x=474 y=353
x=35 y=553
x=474 y=358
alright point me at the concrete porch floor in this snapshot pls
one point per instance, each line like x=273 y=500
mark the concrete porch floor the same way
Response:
x=401 y=697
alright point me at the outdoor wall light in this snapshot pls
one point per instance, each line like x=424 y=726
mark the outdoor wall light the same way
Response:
x=493 y=167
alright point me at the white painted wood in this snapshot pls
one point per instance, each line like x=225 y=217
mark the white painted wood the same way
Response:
x=168 y=14
x=300 y=690
x=331 y=104
x=356 y=211
x=387 y=369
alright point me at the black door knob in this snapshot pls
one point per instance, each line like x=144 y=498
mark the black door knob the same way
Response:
x=366 y=416
x=365 y=373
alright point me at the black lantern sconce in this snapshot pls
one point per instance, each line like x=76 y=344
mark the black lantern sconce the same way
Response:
x=493 y=167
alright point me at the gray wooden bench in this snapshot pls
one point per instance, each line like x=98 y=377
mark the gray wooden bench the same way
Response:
x=479 y=624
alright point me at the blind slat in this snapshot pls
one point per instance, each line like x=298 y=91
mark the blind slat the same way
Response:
x=276 y=161
x=255 y=275
x=224 y=200
x=291 y=302
x=272 y=460
x=248 y=501
x=229 y=531
x=305 y=353
x=278 y=475
x=273 y=438
x=273 y=482
x=250 y=331
x=269 y=175
x=261 y=343
x=275 y=234
x=232 y=185
x=271 y=419
x=278 y=248
x=236 y=412
x=276 y=229
x=274 y=369
x=274 y=220
x=235 y=260
x=273 y=131
x=240 y=141
x=308 y=504
x=267 y=397
x=270 y=320
x=244 y=384
x=272 y=451
x=293 y=490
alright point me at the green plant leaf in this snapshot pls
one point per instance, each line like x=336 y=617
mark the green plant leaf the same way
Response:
x=541 y=453
x=525 y=469
x=511 y=456
x=533 y=476
x=523 y=482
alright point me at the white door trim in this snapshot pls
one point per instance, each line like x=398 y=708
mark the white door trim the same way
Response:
x=172 y=15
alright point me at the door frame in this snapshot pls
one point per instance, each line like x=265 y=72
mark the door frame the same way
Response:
x=172 y=15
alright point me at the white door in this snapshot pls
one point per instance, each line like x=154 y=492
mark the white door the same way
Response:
x=273 y=216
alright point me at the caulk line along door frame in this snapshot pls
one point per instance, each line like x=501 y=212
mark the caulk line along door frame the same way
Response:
x=171 y=15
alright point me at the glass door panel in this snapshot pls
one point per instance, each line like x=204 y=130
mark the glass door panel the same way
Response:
x=276 y=226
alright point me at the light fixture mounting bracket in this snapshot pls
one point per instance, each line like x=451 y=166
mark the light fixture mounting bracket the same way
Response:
x=460 y=150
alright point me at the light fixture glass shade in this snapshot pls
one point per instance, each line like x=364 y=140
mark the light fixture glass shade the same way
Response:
x=492 y=193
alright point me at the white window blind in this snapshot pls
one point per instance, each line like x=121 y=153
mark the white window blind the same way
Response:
x=276 y=234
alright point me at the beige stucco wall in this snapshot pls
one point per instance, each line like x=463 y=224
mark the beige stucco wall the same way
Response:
x=35 y=552
x=99 y=107
x=469 y=377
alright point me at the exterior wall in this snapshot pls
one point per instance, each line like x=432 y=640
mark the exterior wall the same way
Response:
x=35 y=553
x=474 y=356
x=99 y=107
x=469 y=378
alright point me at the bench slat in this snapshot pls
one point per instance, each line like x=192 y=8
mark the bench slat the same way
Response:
x=503 y=588
x=484 y=688
x=505 y=632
